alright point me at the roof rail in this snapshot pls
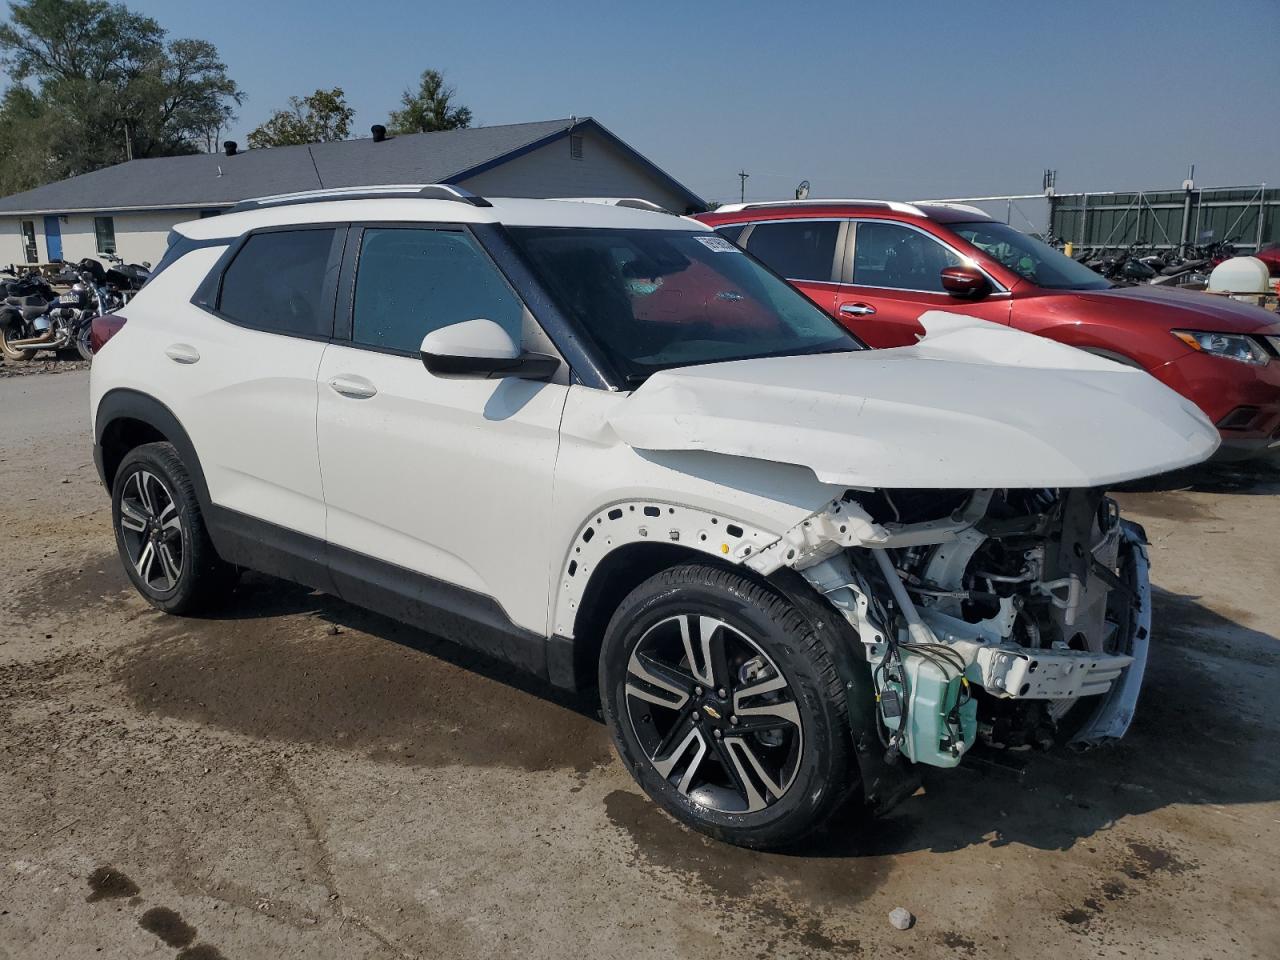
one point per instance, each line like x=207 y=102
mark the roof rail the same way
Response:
x=405 y=191
x=955 y=205
x=635 y=203
x=890 y=204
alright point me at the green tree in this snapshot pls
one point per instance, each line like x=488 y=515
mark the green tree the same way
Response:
x=97 y=84
x=430 y=108
x=321 y=117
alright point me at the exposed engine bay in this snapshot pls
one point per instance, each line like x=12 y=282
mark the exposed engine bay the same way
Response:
x=1016 y=618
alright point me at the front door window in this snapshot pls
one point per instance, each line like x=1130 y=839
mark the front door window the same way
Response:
x=895 y=257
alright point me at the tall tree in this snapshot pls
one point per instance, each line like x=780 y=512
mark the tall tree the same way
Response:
x=320 y=117
x=430 y=107
x=98 y=84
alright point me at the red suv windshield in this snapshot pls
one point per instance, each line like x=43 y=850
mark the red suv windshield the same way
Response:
x=1030 y=258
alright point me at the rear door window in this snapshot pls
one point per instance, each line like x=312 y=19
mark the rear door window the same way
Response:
x=796 y=249
x=277 y=283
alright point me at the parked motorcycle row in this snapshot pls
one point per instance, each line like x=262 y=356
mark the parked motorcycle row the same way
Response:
x=35 y=315
x=1187 y=265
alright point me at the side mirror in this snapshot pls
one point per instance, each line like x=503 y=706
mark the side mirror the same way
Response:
x=965 y=282
x=481 y=348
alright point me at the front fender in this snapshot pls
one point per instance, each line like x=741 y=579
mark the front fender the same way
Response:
x=626 y=522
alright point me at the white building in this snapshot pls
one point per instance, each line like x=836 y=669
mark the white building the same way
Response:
x=129 y=209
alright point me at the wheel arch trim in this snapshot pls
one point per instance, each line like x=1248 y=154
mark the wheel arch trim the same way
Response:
x=625 y=523
x=123 y=404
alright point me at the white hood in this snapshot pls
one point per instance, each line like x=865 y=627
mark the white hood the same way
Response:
x=973 y=405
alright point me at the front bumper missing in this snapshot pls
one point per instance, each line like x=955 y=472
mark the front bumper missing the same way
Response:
x=1115 y=712
x=1009 y=671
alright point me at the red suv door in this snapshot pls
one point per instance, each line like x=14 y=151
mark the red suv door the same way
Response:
x=892 y=275
x=808 y=253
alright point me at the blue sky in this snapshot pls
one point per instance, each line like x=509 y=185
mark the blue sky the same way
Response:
x=896 y=99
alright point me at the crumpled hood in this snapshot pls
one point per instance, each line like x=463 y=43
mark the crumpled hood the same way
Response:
x=973 y=404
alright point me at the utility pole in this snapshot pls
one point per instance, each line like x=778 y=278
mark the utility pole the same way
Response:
x=742 y=193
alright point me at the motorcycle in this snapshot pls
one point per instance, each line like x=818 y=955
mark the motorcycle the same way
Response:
x=120 y=278
x=33 y=318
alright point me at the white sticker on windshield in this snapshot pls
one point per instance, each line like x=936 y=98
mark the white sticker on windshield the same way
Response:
x=718 y=244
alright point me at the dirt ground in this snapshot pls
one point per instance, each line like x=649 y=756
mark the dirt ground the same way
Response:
x=298 y=778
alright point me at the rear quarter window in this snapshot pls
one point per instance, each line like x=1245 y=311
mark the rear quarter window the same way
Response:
x=797 y=249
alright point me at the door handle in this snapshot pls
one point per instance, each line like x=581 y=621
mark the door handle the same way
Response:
x=357 y=388
x=857 y=309
x=182 y=353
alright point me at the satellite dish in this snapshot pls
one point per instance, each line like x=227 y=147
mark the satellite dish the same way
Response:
x=802 y=191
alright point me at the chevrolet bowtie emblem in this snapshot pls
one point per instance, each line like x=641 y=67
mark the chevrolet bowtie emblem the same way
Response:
x=711 y=712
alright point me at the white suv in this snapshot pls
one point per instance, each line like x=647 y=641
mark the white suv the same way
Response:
x=606 y=445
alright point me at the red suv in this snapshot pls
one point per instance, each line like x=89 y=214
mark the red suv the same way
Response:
x=877 y=265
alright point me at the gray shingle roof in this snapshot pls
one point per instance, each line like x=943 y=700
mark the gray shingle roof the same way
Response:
x=215 y=179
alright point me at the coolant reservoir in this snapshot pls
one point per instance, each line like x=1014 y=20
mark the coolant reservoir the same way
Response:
x=934 y=701
x=1240 y=275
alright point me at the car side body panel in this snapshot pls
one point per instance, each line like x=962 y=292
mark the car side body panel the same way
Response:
x=246 y=398
x=443 y=476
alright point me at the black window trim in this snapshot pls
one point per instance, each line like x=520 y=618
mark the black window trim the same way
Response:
x=837 y=255
x=344 y=319
x=585 y=368
x=208 y=294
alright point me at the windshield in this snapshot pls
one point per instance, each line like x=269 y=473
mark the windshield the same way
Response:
x=655 y=299
x=1030 y=258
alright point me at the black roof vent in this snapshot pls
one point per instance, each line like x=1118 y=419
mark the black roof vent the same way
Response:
x=230 y=147
x=379 y=132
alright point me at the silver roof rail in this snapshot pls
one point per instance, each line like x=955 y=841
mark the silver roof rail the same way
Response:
x=635 y=203
x=404 y=191
x=894 y=205
x=955 y=205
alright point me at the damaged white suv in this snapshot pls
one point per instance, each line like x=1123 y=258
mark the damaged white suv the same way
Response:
x=608 y=446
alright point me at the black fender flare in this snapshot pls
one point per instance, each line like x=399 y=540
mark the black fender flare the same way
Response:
x=122 y=404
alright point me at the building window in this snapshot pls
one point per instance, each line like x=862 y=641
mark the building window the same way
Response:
x=575 y=146
x=104 y=229
x=29 y=241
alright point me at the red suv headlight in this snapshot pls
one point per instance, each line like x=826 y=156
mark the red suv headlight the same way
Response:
x=1231 y=346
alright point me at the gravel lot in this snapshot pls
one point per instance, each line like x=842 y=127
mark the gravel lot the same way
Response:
x=299 y=778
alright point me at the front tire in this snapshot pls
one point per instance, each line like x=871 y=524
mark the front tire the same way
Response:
x=84 y=345
x=726 y=707
x=160 y=533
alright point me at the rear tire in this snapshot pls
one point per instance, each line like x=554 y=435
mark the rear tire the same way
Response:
x=12 y=354
x=726 y=707
x=161 y=535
